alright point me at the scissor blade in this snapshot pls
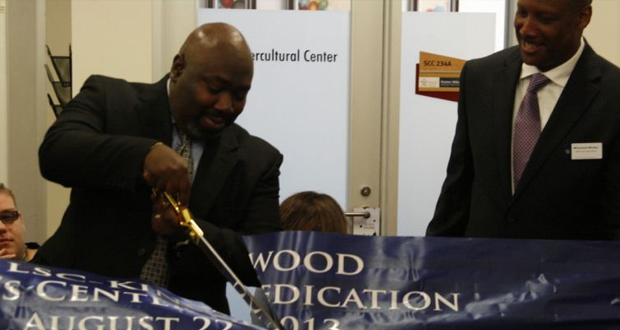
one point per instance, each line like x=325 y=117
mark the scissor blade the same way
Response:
x=258 y=308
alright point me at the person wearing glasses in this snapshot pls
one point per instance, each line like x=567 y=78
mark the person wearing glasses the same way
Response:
x=12 y=229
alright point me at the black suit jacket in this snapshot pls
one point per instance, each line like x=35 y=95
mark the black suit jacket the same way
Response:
x=98 y=145
x=557 y=198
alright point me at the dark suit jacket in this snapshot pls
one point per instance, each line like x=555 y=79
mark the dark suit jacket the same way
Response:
x=98 y=145
x=557 y=198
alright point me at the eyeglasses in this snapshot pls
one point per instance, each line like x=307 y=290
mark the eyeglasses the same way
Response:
x=8 y=217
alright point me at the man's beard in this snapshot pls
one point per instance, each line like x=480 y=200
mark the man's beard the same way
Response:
x=196 y=133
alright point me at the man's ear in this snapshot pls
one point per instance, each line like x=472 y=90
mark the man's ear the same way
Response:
x=178 y=65
x=585 y=14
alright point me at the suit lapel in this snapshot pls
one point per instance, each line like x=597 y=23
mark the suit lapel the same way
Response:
x=218 y=157
x=154 y=112
x=572 y=104
x=505 y=83
x=216 y=163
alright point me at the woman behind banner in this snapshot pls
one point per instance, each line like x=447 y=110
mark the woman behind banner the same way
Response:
x=308 y=211
x=312 y=211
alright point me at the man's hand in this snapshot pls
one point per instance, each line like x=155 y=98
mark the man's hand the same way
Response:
x=165 y=221
x=4 y=254
x=165 y=170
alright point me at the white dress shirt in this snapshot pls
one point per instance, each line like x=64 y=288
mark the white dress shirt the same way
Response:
x=548 y=95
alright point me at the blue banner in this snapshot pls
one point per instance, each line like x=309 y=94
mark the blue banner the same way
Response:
x=330 y=281
x=42 y=298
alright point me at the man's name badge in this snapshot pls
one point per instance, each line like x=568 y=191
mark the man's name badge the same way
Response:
x=585 y=151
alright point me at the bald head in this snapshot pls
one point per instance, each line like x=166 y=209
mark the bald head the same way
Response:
x=209 y=80
x=212 y=36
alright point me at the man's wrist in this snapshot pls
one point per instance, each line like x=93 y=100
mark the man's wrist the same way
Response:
x=155 y=145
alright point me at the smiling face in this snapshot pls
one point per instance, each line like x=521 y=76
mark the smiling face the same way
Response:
x=210 y=80
x=549 y=31
x=11 y=235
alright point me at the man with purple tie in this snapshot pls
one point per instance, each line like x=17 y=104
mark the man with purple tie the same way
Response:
x=536 y=153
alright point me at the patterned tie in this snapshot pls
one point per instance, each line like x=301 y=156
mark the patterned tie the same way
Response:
x=156 y=268
x=185 y=150
x=527 y=126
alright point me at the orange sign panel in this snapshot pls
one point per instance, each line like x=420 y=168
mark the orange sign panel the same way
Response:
x=438 y=73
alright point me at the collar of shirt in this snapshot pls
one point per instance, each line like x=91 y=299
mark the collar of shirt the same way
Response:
x=558 y=75
x=549 y=95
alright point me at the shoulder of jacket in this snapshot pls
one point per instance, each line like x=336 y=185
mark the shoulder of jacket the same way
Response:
x=247 y=140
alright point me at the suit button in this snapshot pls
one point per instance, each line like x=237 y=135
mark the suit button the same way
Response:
x=141 y=252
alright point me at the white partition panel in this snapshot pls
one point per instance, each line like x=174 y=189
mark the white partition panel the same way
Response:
x=4 y=136
x=427 y=124
x=299 y=99
x=489 y=6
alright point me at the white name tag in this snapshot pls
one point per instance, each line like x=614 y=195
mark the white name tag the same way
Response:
x=582 y=151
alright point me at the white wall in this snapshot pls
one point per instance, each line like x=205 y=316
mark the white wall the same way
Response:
x=25 y=109
x=112 y=37
x=3 y=96
x=58 y=38
x=172 y=22
x=604 y=29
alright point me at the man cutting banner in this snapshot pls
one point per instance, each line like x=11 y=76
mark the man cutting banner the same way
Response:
x=116 y=141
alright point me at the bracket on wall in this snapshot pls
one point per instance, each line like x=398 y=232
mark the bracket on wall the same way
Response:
x=62 y=85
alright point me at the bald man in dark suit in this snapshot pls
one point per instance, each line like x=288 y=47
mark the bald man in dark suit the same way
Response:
x=114 y=145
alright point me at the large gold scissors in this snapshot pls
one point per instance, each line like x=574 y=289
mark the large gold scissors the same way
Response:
x=196 y=235
x=187 y=220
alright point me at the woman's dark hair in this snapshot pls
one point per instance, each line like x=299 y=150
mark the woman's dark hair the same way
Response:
x=309 y=210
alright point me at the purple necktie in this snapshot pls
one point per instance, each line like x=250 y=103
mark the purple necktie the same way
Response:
x=527 y=126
